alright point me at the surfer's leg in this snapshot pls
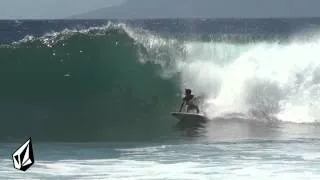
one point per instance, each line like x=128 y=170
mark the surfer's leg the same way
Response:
x=190 y=107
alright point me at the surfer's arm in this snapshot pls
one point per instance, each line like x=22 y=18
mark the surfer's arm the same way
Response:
x=181 y=106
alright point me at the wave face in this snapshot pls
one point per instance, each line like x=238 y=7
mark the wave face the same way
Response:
x=82 y=85
x=119 y=82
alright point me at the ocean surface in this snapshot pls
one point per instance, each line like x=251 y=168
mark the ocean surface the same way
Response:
x=96 y=96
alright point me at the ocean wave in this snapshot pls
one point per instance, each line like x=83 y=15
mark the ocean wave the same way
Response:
x=120 y=82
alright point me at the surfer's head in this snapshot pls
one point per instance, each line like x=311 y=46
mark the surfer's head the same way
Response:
x=188 y=91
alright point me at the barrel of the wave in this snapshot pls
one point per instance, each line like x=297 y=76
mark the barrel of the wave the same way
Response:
x=82 y=86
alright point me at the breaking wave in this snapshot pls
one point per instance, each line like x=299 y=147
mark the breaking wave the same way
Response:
x=119 y=83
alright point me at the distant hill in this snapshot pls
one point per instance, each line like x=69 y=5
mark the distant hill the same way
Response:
x=141 y=9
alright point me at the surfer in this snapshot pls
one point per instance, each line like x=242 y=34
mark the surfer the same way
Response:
x=189 y=101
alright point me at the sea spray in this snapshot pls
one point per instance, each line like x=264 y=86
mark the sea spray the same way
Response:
x=269 y=79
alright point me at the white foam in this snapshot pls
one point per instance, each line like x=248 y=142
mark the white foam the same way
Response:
x=281 y=80
x=185 y=161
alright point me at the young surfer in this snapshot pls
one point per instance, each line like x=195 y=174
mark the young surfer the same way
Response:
x=189 y=101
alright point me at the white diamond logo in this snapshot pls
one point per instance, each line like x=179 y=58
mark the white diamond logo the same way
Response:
x=23 y=157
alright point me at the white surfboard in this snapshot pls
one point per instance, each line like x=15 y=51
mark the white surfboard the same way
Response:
x=182 y=116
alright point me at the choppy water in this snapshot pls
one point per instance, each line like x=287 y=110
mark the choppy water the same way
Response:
x=243 y=159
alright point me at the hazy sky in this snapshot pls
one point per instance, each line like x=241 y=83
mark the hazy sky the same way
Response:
x=33 y=9
x=51 y=9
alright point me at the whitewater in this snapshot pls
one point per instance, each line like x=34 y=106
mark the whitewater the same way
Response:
x=267 y=78
x=96 y=98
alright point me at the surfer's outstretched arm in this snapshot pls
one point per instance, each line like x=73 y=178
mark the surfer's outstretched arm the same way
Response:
x=181 y=106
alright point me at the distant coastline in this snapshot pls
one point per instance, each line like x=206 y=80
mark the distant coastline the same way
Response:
x=153 y=19
x=203 y=9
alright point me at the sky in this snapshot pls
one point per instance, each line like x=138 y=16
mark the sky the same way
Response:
x=49 y=9
x=57 y=9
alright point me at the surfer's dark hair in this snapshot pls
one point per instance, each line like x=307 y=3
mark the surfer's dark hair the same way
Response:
x=188 y=91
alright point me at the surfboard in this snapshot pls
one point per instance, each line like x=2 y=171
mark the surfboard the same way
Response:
x=184 y=116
